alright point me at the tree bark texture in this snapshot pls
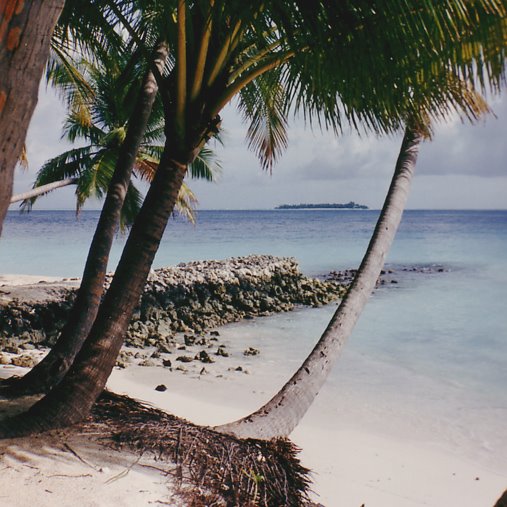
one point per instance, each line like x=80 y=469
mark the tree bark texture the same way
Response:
x=71 y=400
x=50 y=371
x=284 y=411
x=25 y=33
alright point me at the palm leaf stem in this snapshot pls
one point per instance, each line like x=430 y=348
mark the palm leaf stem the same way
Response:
x=224 y=54
x=238 y=85
x=201 y=57
x=181 y=69
x=252 y=61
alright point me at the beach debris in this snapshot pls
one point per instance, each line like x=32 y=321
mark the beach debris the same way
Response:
x=203 y=455
x=204 y=371
x=161 y=388
x=250 y=351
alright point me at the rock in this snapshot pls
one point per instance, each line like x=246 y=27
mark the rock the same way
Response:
x=185 y=359
x=250 y=351
x=12 y=349
x=239 y=368
x=204 y=357
x=189 y=298
x=148 y=362
x=189 y=340
x=4 y=359
x=156 y=355
x=167 y=363
x=161 y=388
x=221 y=352
x=204 y=371
x=25 y=361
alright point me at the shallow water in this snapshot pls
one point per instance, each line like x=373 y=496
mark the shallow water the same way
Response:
x=428 y=358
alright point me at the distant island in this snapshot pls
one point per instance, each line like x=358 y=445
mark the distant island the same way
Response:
x=349 y=205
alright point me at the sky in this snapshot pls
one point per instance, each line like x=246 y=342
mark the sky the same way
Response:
x=462 y=167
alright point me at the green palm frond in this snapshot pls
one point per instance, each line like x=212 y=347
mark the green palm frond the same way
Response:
x=69 y=164
x=131 y=207
x=264 y=104
x=185 y=203
x=205 y=166
x=94 y=182
x=76 y=126
x=66 y=77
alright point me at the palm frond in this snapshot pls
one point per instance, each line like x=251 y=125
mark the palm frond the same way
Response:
x=264 y=104
x=205 y=166
x=186 y=203
x=130 y=208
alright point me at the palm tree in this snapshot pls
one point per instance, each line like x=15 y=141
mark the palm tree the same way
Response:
x=222 y=52
x=102 y=121
x=99 y=96
x=25 y=34
x=278 y=417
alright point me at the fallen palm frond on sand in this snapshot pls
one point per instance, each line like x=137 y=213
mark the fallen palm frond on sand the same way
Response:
x=210 y=468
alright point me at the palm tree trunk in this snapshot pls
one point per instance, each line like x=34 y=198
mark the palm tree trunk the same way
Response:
x=50 y=371
x=43 y=189
x=284 y=411
x=71 y=400
x=25 y=34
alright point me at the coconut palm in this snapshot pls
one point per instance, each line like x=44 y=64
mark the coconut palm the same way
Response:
x=222 y=50
x=100 y=103
x=100 y=97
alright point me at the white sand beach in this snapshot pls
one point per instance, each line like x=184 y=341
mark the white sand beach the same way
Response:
x=352 y=467
x=354 y=463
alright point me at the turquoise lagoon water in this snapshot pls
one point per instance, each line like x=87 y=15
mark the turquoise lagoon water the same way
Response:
x=428 y=358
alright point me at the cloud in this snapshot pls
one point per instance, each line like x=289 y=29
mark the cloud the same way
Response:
x=463 y=166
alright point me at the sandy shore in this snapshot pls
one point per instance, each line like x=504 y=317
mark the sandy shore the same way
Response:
x=352 y=465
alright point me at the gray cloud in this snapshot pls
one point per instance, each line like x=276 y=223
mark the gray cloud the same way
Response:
x=462 y=167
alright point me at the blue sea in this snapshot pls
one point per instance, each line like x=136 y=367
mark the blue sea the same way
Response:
x=428 y=358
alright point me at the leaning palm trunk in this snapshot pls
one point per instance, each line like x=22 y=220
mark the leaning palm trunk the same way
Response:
x=71 y=400
x=282 y=414
x=25 y=34
x=43 y=189
x=55 y=365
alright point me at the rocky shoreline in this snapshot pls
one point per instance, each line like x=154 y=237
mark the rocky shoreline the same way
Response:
x=190 y=298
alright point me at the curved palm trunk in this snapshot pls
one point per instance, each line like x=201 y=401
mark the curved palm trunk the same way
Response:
x=25 y=34
x=50 y=371
x=71 y=400
x=43 y=189
x=284 y=411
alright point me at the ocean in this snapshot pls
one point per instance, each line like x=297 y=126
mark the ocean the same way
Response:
x=428 y=358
